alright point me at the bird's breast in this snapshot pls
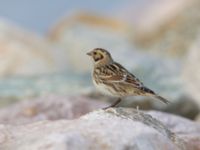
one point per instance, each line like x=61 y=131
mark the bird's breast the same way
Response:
x=104 y=89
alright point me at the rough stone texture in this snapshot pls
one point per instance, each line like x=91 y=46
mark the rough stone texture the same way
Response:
x=25 y=53
x=111 y=129
x=48 y=108
x=189 y=131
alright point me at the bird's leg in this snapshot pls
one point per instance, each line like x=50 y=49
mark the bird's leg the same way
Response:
x=114 y=104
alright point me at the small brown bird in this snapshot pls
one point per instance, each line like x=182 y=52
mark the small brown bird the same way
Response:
x=113 y=79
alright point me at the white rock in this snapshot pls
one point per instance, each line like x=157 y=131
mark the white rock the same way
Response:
x=111 y=129
x=52 y=107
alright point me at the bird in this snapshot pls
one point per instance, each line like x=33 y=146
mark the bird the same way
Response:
x=112 y=79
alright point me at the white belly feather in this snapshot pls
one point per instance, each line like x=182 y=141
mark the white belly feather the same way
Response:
x=105 y=89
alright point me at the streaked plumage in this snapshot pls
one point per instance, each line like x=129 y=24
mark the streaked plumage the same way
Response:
x=113 y=79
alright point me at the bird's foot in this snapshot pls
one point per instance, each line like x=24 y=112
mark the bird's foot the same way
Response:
x=114 y=104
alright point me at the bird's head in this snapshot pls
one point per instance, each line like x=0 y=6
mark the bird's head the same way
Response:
x=100 y=56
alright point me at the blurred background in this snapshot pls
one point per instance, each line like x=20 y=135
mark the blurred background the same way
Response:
x=46 y=74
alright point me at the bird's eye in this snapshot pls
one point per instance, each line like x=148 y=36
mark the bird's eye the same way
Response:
x=95 y=53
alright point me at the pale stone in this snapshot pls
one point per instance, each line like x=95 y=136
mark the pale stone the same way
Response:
x=111 y=129
x=52 y=107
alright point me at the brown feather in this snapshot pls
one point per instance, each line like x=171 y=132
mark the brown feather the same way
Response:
x=113 y=79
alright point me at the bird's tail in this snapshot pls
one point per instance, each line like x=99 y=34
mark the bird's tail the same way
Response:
x=153 y=94
x=162 y=99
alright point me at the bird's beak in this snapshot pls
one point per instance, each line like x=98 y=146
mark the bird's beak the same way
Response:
x=89 y=53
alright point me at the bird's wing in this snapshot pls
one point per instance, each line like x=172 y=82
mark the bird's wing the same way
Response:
x=116 y=73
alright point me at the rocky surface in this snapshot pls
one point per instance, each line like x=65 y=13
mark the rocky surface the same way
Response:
x=25 y=53
x=186 y=129
x=111 y=129
x=35 y=124
x=48 y=108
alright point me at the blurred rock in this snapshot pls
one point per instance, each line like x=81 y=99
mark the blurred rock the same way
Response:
x=111 y=129
x=185 y=106
x=25 y=53
x=83 y=32
x=167 y=27
x=48 y=108
x=19 y=88
x=191 y=72
x=198 y=118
